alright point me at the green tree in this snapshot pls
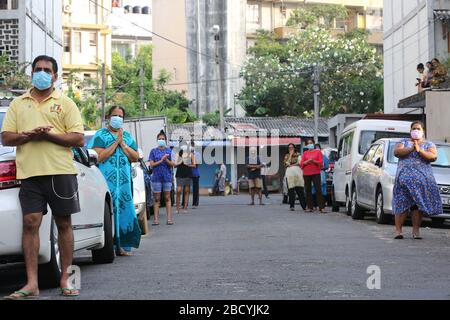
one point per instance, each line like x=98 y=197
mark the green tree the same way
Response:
x=13 y=75
x=279 y=81
x=317 y=15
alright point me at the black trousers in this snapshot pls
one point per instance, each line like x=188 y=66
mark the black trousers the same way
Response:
x=293 y=192
x=265 y=191
x=195 y=191
x=308 y=189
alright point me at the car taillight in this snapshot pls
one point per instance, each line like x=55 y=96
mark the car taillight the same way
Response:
x=8 y=175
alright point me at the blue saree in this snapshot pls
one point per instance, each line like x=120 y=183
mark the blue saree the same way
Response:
x=117 y=172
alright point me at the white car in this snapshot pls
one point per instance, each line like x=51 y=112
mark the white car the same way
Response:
x=139 y=193
x=92 y=227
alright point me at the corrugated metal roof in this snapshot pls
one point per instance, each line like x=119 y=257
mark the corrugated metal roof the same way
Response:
x=287 y=127
x=443 y=15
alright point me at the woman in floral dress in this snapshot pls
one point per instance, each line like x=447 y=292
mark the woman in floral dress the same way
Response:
x=415 y=189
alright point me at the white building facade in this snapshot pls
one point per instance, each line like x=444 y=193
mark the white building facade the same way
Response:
x=416 y=31
x=131 y=23
x=30 y=28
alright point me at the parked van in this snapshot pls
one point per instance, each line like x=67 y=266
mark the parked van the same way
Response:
x=355 y=140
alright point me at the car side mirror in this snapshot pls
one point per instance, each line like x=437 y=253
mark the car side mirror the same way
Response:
x=92 y=157
x=379 y=162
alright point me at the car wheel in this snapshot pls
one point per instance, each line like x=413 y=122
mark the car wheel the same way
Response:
x=348 y=205
x=356 y=211
x=437 y=222
x=106 y=254
x=381 y=216
x=50 y=273
x=334 y=204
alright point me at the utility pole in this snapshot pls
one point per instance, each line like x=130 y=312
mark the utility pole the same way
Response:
x=142 y=77
x=103 y=94
x=316 y=91
x=216 y=31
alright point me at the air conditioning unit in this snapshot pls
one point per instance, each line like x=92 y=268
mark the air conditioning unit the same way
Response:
x=67 y=8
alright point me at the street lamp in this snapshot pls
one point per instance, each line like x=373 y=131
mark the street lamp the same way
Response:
x=215 y=30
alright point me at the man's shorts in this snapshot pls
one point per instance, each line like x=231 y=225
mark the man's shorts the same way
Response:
x=59 y=192
x=158 y=187
x=183 y=182
x=255 y=183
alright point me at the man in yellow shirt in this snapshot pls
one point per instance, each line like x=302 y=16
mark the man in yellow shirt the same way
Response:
x=44 y=125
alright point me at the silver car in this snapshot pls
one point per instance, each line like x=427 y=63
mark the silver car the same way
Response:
x=374 y=177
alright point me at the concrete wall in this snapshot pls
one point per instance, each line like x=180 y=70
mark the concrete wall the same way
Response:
x=438 y=115
x=169 y=20
x=201 y=16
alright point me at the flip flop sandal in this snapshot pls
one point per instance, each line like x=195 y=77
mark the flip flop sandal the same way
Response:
x=415 y=237
x=399 y=237
x=21 y=295
x=155 y=224
x=67 y=292
x=169 y=223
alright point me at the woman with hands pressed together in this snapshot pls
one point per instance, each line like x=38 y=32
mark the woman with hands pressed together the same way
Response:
x=116 y=151
x=415 y=188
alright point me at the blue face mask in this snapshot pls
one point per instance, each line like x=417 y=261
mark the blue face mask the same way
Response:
x=162 y=143
x=42 y=80
x=309 y=147
x=116 y=122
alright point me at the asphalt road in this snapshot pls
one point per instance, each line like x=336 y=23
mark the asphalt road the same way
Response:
x=229 y=250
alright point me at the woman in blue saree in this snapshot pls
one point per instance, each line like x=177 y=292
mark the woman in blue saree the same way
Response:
x=116 y=151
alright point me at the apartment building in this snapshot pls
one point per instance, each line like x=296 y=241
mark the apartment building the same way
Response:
x=86 y=36
x=272 y=15
x=131 y=24
x=415 y=32
x=30 y=28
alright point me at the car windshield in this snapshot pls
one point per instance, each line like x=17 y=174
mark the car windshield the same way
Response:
x=443 y=159
x=369 y=137
x=87 y=139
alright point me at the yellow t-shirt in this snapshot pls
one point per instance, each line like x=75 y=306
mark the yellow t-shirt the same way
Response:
x=43 y=158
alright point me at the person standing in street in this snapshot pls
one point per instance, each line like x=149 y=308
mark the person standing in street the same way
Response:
x=415 y=188
x=311 y=164
x=254 y=166
x=184 y=163
x=294 y=177
x=116 y=150
x=195 y=178
x=160 y=160
x=44 y=125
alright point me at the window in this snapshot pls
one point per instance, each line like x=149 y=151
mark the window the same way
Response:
x=93 y=39
x=66 y=41
x=378 y=154
x=370 y=153
x=3 y=4
x=14 y=4
x=253 y=13
x=77 y=41
x=369 y=137
x=92 y=6
x=345 y=146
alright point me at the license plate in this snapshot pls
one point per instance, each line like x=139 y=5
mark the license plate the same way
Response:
x=446 y=201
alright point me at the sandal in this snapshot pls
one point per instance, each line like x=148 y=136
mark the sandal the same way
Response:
x=169 y=223
x=155 y=224
x=68 y=292
x=399 y=237
x=21 y=295
x=417 y=237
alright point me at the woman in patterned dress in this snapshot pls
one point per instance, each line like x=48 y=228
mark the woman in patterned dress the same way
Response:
x=415 y=189
x=116 y=150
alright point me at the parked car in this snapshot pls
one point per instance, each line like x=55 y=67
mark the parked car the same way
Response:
x=331 y=154
x=93 y=227
x=374 y=177
x=139 y=191
x=356 y=139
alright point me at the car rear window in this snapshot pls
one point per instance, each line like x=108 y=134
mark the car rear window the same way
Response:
x=369 y=137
